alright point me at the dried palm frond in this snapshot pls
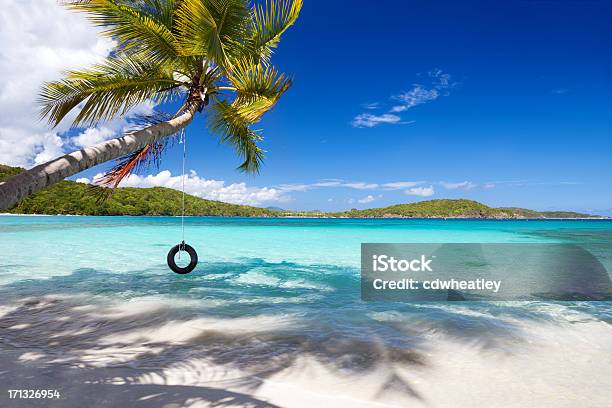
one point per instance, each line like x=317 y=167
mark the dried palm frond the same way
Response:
x=136 y=162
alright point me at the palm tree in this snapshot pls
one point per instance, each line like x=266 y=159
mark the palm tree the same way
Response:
x=212 y=54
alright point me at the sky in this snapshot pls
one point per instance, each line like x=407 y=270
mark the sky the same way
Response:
x=507 y=103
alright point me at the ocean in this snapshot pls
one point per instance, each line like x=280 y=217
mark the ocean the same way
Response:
x=272 y=299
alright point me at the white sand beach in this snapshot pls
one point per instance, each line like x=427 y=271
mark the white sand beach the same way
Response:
x=141 y=353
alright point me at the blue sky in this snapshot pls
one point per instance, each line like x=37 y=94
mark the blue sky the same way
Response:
x=508 y=103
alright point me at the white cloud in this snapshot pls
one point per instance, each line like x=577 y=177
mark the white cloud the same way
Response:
x=39 y=40
x=93 y=136
x=369 y=199
x=418 y=187
x=421 y=191
x=374 y=105
x=440 y=79
x=330 y=183
x=398 y=185
x=464 y=185
x=305 y=187
x=440 y=84
x=237 y=193
x=416 y=96
x=111 y=129
x=294 y=187
x=357 y=185
x=367 y=120
x=361 y=185
x=83 y=180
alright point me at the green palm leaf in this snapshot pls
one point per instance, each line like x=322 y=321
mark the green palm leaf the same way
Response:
x=133 y=28
x=253 y=82
x=109 y=89
x=233 y=128
x=162 y=11
x=213 y=29
x=270 y=22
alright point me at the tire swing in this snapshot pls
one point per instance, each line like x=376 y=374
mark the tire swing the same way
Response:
x=182 y=247
x=192 y=254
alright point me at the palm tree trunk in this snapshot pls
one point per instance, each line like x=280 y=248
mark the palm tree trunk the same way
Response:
x=15 y=189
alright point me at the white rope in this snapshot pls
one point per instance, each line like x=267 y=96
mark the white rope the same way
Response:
x=184 y=142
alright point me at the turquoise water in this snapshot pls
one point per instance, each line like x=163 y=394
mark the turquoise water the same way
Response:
x=254 y=256
x=303 y=269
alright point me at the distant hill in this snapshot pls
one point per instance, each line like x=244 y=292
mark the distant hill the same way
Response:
x=523 y=212
x=460 y=208
x=69 y=197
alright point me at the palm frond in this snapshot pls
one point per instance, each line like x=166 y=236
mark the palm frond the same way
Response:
x=107 y=90
x=269 y=22
x=256 y=81
x=214 y=29
x=131 y=27
x=233 y=128
x=252 y=111
x=133 y=163
x=104 y=187
x=162 y=11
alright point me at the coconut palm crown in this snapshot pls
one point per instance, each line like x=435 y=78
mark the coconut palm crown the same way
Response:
x=213 y=56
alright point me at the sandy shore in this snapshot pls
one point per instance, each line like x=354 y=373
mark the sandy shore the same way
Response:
x=140 y=354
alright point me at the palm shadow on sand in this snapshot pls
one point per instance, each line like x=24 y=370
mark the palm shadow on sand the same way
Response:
x=70 y=321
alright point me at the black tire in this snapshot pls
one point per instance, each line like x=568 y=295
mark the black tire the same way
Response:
x=192 y=254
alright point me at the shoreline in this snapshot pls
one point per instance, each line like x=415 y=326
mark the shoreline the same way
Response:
x=598 y=218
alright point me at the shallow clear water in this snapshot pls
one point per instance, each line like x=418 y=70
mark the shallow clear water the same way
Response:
x=303 y=272
x=303 y=265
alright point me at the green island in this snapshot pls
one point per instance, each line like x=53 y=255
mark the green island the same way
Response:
x=72 y=198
